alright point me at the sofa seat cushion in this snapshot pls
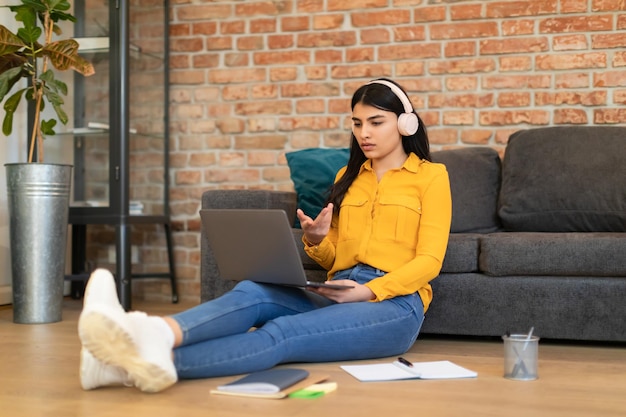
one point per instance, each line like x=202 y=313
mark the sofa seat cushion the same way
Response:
x=557 y=254
x=565 y=179
x=474 y=174
x=462 y=253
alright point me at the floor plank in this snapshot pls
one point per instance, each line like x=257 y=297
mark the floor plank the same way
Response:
x=39 y=377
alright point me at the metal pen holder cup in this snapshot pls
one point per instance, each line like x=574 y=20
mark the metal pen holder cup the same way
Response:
x=521 y=357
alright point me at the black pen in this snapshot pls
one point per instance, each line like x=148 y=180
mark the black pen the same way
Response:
x=405 y=362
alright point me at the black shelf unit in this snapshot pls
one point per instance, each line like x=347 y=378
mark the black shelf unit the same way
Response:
x=116 y=60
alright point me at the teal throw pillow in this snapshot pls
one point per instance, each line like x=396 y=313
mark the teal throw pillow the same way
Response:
x=313 y=173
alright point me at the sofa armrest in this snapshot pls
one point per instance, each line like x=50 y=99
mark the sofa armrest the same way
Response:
x=211 y=284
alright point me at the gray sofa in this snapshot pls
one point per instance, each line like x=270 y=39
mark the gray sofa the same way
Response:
x=537 y=239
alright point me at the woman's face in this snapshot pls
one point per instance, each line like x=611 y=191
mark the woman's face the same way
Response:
x=377 y=133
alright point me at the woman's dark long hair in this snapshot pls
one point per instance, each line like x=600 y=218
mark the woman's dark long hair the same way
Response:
x=381 y=97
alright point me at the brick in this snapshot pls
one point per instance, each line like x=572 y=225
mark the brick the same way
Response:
x=328 y=21
x=337 y=5
x=326 y=56
x=232 y=175
x=280 y=41
x=205 y=61
x=305 y=140
x=264 y=91
x=462 y=66
x=515 y=63
x=572 y=80
x=316 y=72
x=186 y=45
x=576 y=24
x=273 y=174
x=260 y=142
x=608 y=5
x=574 y=6
x=466 y=12
x=570 y=116
x=310 y=6
x=409 y=51
x=232 y=60
x=461 y=117
x=610 y=79
x=573 y=61
x=569 y=42
x=255 y=8
x=499 y=9
x=250 y=108
x=604 y=41
x=476 y=136
x=384 y=18
x=619 y=97
x=513 y=117
x=256 y=125
x=429 y=14
x=203 y=12
x=310 y=106
x=322 y=39
x=509 y=46
x=461 y=48
x=409 y=33
x=312 y=123
x=441 y=31
x=594 y=98
x=264 y=25
x=444 y=136
x=287 y=57
x=250 y=43
x=461 y=100
x=518 y=27
x=230 y=125
x=232 y=159
x=261 y=158
x=283 y=74
x=374 y=36
x=187 y=177
x=226 y=76
x=461 y=83
x=230 y=28
x=360 y=71
x=404 y=69
x=294 y=23
x=510 y=99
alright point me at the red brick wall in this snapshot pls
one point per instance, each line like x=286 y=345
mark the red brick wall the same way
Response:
x=251 y=80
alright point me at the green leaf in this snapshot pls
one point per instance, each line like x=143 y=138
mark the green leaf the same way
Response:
x=30 y=34
x=47 y=127
x=8 y=79
x=54 y=84
x=57 y=103
x=10 y=106
x=64 y=55
x=9 y=42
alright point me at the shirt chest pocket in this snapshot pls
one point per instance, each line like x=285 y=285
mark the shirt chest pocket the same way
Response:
x=353 y=217
x=397 y=218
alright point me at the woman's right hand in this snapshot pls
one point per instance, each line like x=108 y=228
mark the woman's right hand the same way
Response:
x=316 y=230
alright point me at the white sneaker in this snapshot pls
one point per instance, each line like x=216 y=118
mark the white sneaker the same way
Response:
x=131 y=341
x=94 y=373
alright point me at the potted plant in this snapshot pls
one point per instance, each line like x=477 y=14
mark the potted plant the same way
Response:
x=38 y=193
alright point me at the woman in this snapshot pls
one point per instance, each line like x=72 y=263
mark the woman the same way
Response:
x=384 y=231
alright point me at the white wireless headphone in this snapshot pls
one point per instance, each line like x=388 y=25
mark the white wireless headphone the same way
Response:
x=408 y=123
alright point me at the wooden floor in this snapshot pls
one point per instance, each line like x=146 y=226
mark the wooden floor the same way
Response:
x=39 y=377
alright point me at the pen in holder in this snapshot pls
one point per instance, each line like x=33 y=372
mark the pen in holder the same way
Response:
x=520 y=356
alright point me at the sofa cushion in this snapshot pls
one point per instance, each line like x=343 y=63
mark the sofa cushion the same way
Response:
x=565 y=179
x=462 y=253
x=474 y=182
x=313 y=173
x=558 y=254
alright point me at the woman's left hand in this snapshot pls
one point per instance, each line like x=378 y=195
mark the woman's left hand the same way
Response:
x=359 y=292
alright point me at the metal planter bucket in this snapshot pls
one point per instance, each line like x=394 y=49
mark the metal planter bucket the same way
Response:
x=38 y=197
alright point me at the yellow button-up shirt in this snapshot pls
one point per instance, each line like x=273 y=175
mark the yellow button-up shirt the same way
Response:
x=399 y=224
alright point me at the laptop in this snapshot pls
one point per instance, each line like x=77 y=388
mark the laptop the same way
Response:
x=256 y=245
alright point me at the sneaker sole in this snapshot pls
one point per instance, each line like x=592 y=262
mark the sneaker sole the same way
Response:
x=113 y=345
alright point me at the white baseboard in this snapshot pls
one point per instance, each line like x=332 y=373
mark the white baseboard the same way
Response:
x=6 y=296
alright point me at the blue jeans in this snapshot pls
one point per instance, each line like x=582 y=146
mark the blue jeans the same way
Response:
x=292 y=325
